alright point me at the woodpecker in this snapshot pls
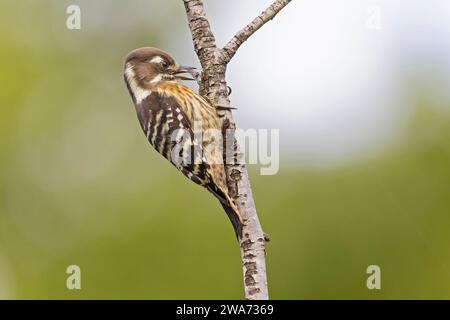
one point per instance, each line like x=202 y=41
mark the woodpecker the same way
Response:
x=164 y=108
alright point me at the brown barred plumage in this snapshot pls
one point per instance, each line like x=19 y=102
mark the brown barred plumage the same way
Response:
x=168 y=109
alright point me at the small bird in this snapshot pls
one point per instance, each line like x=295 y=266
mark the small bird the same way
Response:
x=166 y=107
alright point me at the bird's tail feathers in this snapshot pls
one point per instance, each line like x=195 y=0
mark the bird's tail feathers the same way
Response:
x=230 y=209
x=235 y=218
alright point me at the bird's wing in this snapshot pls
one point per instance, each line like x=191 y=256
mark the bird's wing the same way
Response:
x=170 y=131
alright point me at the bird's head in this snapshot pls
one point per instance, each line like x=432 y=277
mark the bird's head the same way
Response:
x=149 y=66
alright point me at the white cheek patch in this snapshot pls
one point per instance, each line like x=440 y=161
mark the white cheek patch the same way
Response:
x=138 y=92
x=157 y=78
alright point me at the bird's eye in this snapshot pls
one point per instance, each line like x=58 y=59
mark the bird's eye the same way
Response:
x=164 y=64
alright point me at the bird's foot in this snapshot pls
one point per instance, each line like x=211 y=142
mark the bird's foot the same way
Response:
x=225 y=108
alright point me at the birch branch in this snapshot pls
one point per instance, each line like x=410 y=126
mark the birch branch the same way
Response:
x=239 y=38
x=214 y=87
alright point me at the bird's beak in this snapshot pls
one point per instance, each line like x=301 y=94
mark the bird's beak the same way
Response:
x=185 y=69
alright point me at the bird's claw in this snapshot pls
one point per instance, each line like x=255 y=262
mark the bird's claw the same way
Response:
x=226 y=108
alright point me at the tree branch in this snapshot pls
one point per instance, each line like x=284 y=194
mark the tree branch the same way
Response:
x=202 y=36
x=239 y=38
x=214 y=87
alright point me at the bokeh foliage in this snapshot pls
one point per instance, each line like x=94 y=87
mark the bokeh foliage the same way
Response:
x=79 y=185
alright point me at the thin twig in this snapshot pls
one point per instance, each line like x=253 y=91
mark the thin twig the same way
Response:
x=214 y=87
x=239 y=38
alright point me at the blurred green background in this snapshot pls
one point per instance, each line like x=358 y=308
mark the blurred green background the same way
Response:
x=79 y=184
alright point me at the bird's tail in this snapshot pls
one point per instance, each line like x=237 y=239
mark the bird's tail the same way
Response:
x=230 y=208
x=234 y=216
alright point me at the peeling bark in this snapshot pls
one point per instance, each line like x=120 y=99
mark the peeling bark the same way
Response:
x=213 y=86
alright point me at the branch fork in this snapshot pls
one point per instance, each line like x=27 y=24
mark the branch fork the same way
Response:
x=212 y=85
